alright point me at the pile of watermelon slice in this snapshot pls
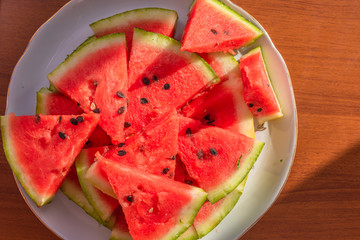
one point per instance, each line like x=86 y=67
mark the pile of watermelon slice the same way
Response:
x=152 y=137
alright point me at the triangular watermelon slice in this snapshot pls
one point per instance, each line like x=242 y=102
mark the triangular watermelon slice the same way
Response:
x=102 y=203
x=214 y=27
x=223 y=106
x=155 y=207
x=157 y=20
x=159 y=77
x=259 y=94
x=152 y=150
x=41 y=149
x=216 y=158
x=55 y=103
x=95 y=76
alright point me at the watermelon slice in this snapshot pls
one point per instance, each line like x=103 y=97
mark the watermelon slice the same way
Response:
x=102 y=203
x=95 y=76
x=159 y=78
x=35 y=146
x=189 y=234
x=223 y=106
x=55 y=103
x=152 y=150
x=258 y=92
x=155 y=207
x=216 y=158
x=223 y=28
x=157 y=20
x=210 y=215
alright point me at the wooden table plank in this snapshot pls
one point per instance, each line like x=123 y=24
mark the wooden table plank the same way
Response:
x=320 y=42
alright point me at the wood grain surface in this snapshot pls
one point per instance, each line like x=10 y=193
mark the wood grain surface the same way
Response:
x=320 y=42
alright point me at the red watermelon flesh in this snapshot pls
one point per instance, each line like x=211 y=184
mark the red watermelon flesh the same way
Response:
x=223 y=28
x=55 y=103
x=217 y=159
x=181 y=174
x=102 y=203
x=154 y=207
x=258 y=92
x=159 y=78
x=157 y=20
x=95 y=76
x=35 y=147
x=152 y=150
x=223 y=106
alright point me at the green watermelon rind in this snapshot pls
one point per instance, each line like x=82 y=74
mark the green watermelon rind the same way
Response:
x=41 y=99
x=274 y=115
x=164 y=42
x=229 y=11
x=189 y=234
x=188 y=214
x=231 y=183
x=12 y=160
x=216 y=217
x=119 y=235
x=143 y=14
x=87 y=187
x=78 y=197
x=103 y=186
x=82 y=51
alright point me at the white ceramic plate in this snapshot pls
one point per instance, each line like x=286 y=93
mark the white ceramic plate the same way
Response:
x=66 y=30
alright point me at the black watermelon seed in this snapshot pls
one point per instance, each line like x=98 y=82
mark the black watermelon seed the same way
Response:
x=259 y=110
x=96 y=110
x=172 y=158
x=144 y=101
x=165 y=171
x=188 y=132
x=207 y=117
x=146 y=81
x=37 y=118
x=80 y=119
x=210 y=122
x=121 y=110
x=251 y=105
x=155 y=78
x=120 y=94
x=73 y=121
x=62 y=135
x=166 y=86
x=200 y=154
x=213 y=152
x=60 y=118
x=127 y=124
x=214 y=31
x=130 y=198
x=78 y=104
x=226 y=32
x=121 y=145
x=122 y=153
x=188 y=182
x=95 y=83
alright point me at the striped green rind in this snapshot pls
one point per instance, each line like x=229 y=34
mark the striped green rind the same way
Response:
x=76 y=195
x=142 y=14
x=91 y=45
x=119 y=235
x=228 y=203
x=188 y=214
x=245 y=166
x=229 y=11
x=189 y=234
x=40 y=101
x=160 y=41
x=11 y=157
x=101 y=206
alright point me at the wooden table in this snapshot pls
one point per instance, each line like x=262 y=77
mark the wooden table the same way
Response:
x=320 y=42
